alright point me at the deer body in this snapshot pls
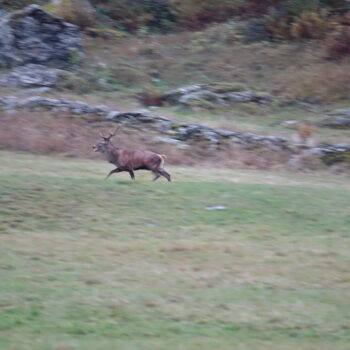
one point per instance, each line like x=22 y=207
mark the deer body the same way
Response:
x=131 y=160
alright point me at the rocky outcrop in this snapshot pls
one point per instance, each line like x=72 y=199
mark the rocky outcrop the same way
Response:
x=12 y=103
x=31 y=76
x=345 y=112
x=34 y=36
x=332 y=154
x=290 y=124
x=338 y=119
x=207 y=95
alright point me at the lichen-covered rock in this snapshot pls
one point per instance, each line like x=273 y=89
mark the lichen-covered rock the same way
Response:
x=290 y=124
x=342 y=112
x=209 y=95
x=31 y=75
x=173 y=96
x=332 y=154
x=35 y=91
x=60 y=105
x=306 y=159
x=201 y=98
x=338 y=119
x=340 y=122
x=34 y=36
x=223 y=87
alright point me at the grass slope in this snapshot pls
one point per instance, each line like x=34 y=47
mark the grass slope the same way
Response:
x=93 y=264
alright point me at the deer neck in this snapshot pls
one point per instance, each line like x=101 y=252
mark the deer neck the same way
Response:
x=112 y=154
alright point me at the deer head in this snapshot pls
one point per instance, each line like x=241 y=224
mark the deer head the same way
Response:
x=103 y=146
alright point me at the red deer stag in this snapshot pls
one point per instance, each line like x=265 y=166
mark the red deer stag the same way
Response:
x=131 y=160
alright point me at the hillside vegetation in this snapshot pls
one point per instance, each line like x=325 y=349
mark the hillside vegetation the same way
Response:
x=87 y=263
x=135 y=51
x=271 y=19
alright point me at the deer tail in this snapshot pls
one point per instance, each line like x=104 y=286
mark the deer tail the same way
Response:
x=162 y=157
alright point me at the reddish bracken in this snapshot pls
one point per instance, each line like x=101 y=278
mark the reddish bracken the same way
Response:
x=131 y=160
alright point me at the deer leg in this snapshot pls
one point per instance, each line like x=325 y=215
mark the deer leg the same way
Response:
x=165 y=174
x=157 y=175
x=132 y=175
x=116 y=170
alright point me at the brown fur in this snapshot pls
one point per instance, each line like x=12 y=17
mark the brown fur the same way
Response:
x=132 y=160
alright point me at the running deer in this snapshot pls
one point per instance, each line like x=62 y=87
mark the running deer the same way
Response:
x=131 y=160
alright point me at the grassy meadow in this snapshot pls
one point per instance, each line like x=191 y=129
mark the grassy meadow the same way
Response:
x=92 y=264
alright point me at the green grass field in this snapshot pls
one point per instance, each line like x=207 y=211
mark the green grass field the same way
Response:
x=92 y=264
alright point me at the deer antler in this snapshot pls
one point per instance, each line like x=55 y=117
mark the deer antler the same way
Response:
x=114 y=132
x=111 y=134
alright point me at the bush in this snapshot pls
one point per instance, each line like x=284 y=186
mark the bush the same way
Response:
x=196 y=14
x=338 y=43
x=256 y=30
x=163 y=15
x=300 y=19
x=309 y=25
x=276 y=25
x=150 y=96
x=136 y=15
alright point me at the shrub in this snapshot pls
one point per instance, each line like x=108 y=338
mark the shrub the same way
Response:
x=256 y=30
x=338 y=43
x=150 y=96
x=296 y=8
x=196 y=14
x=163 y=15
x=135 y=15
x=309 y=25
x=277 y=26
x=300 y=19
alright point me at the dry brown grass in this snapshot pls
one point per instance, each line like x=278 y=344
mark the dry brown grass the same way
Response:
x=190 y=58
x=320 y=82
x=73 y=11
x=297 y=70
x=41 y=133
